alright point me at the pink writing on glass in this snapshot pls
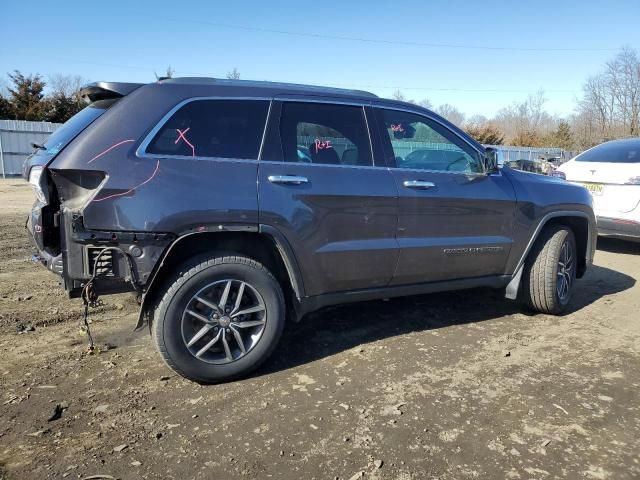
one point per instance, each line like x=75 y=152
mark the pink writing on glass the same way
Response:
x=181 y=136
x=320 y=145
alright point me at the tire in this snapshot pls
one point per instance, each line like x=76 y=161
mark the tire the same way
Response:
x=184 y=325
x=544 y=275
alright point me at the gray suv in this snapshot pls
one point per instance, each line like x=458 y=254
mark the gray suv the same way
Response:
x=228 y=206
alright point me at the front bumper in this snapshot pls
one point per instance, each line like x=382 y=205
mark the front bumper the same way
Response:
x=619 y=228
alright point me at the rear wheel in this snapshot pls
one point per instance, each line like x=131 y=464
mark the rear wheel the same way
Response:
x=219 y=319
x=550 y=271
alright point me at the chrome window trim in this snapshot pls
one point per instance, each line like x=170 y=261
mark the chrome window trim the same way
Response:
x=366 y=125
x=413 y=170
x=328 y=100
x=428 y=115
x=264 y=130
x=141 y=151
x=331 y=165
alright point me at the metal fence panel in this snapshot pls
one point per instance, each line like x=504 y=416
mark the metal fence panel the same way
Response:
x=16 y=137
x=509 y=153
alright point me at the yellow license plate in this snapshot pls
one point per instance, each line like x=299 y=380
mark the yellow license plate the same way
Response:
x=594 y=188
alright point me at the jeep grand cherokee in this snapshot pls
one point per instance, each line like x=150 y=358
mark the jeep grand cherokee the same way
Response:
x=230 y=205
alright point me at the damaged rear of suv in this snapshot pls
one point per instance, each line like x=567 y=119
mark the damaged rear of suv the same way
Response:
x=228 y=206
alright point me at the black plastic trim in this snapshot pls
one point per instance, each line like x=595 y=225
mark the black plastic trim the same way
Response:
x=309 y=304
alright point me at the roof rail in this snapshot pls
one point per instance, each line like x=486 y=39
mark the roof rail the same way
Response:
x=267 y=84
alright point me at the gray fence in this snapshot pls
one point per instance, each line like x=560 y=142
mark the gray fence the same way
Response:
x=16 y=137
x=507 y=153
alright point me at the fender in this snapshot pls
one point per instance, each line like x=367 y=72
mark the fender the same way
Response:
x=288 y=258
x=511 y=291
x=280 y=242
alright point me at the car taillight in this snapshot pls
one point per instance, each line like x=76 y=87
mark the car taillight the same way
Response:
x=633 y=181
x=35 y=175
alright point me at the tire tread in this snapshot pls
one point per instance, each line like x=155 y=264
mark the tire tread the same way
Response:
x=540 y=270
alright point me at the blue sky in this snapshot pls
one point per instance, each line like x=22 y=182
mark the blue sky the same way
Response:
x=128 y=41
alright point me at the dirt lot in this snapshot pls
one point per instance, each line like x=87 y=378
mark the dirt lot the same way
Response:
x=449 y=386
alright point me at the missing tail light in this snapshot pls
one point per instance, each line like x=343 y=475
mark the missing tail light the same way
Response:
x=77 y=186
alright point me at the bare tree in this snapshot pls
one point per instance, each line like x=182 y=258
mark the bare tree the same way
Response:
x=426 y=103
x=168 y=73
x=623 y=78
x=64 y=99
x=398 y=95
x=610 y=104
x=451 y=113
x=477 y=120
x=233 y=74
x=526 y=121
x=67 y=85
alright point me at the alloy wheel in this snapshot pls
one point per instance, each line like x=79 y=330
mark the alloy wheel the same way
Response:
x=223 y=321
x=566 y=265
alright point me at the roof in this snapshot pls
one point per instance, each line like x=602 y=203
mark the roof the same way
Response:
x=106 y=90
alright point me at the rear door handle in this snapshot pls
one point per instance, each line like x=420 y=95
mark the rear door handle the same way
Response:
x=287 y=179
x=418 y=184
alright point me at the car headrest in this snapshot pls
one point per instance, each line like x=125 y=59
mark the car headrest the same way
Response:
x=322 y=153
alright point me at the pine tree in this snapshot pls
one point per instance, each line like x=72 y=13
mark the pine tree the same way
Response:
x=562 y=136
x=26 y=97
x=6 y=111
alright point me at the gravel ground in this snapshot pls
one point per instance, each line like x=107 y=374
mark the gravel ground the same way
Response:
x=449 y=386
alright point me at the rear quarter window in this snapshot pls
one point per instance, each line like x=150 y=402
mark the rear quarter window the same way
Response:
x=213 y=129
x=76 y=124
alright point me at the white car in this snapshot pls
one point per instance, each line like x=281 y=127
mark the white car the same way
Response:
x=611 y=172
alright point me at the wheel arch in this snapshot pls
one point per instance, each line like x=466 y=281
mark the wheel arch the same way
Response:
x=579 y=223
x=266 y=245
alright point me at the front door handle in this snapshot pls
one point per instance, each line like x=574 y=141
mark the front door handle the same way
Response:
x=418 y=184
x=287 y=179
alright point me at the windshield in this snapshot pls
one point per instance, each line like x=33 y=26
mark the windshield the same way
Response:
x=621 y=151
x=72 y=127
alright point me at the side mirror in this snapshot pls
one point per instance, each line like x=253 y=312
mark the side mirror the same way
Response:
x=491 y=160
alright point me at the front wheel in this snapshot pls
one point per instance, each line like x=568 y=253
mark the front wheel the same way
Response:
x=550 y=271
x=219 y=319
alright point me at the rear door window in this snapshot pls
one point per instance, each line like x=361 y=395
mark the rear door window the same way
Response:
x=213 y=129
x=328 y=134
